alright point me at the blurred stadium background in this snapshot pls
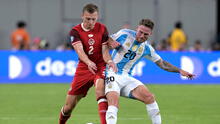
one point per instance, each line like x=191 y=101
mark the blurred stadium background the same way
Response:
x=33 y=83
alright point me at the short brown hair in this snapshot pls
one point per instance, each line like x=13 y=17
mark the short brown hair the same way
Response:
x=91 y=8
x=147 y=22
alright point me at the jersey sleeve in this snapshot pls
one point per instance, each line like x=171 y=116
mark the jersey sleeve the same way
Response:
x=153 y=56
x=116 y=35
x=105 y=36
x=120 y=34
x=74 y=37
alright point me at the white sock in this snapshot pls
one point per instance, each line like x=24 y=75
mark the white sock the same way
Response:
x=111 y=115
x=154 y=113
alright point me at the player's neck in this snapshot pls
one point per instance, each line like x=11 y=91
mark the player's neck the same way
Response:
x=85 y=29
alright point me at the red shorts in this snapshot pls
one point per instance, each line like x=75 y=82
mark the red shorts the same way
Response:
x=84 y=79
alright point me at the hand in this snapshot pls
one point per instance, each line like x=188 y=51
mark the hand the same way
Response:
x=92 y=67
x=113 y=44
x=112 y=65
x=187 y=74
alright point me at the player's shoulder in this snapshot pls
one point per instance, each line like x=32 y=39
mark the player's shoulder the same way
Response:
x=100 y=25
x=148 y=45
x=128 y=32
x=75 y=31
x=76 y=27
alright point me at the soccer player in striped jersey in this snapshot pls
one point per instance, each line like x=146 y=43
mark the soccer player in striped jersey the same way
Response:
x=133 y=47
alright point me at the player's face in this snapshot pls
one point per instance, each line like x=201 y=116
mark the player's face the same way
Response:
x=89 y=19
x=143 y=33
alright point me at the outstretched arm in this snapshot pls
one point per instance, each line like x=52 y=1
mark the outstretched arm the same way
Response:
x=167 y=66
x=83 y=57
x=171 y=68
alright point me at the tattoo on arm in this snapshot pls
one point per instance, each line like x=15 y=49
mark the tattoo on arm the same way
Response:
x=167 y=66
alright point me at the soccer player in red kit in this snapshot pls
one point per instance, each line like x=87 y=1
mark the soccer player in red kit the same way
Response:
x=89 y=39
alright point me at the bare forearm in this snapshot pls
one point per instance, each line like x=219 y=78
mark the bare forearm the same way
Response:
x=83 y=57
x=81 y=54
x=105 y=53
x=171 y=68
x=167 y=66
x=107 y=57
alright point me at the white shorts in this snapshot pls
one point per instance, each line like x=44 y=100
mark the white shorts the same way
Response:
x=123 y=84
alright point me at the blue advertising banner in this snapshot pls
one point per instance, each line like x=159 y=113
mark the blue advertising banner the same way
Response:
x=37 y=66
x=59 y=67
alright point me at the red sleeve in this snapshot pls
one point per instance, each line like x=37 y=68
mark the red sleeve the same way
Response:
x=105 y=35
x=74 y=36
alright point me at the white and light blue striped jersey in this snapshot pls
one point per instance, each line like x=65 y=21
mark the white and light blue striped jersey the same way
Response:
x=131 y=51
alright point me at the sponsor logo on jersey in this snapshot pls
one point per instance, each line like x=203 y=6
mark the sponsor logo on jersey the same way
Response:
x=90 y=35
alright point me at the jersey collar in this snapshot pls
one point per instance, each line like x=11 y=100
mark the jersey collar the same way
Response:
x=84 y=28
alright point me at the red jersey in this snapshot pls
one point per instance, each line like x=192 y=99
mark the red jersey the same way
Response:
x=91 y=40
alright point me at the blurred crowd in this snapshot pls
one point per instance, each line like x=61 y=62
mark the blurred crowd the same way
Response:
x=20 y=40
x=176 y=40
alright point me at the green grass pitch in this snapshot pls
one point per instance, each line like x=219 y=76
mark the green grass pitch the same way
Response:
x=41 y=103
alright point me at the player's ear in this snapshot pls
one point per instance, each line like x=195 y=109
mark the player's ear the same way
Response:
x=82 y=16
x=97 y=17
x=136 y=28
x=151 y=33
